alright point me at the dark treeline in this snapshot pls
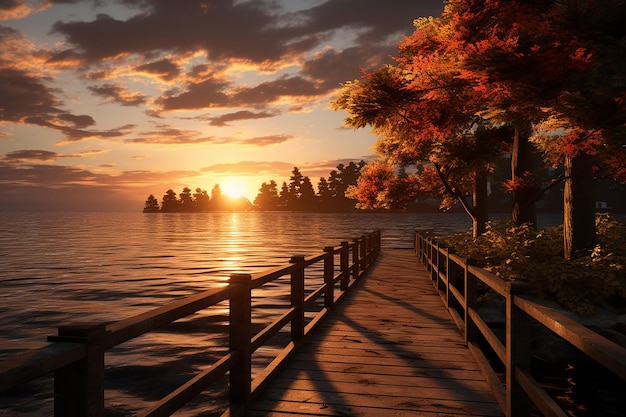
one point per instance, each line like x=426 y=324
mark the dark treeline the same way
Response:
x=298 y=195
x=200 y=201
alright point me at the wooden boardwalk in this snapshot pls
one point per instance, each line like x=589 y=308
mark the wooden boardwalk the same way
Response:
x=389 y=349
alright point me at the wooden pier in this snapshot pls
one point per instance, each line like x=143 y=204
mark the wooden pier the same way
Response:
x=392 y=333
x=391 y=349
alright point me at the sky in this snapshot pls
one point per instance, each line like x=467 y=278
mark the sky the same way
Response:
x=103 y=102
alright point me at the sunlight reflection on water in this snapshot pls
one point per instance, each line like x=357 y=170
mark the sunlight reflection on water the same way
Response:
x=60 y=267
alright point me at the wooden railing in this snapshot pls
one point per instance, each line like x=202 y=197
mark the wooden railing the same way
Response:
x=76 y=354
x=456 y=280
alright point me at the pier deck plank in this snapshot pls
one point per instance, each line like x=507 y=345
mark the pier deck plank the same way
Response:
x=389 y=348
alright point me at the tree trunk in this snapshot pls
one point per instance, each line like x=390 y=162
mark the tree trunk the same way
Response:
x=579 y=217
x=481 y=215
x=522 y=162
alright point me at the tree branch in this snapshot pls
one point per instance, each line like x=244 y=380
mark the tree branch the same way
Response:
x=453 y=191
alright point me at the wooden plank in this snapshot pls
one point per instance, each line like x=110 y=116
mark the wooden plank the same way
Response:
x=389 y=349
x=340 y=404
x=457 y=391
x=371 y=379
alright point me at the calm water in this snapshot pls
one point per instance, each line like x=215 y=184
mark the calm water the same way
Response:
x=65 y=267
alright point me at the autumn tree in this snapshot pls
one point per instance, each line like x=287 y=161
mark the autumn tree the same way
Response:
x=557 y=60
x=381 y=187
x=418 y=121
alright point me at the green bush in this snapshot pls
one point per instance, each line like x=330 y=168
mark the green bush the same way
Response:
x=522 y=253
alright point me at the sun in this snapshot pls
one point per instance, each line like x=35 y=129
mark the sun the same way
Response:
x=232 y=189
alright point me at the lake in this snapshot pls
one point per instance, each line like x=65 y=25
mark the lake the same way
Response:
x=62 y=267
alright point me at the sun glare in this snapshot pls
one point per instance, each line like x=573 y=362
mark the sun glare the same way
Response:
x=232 y=189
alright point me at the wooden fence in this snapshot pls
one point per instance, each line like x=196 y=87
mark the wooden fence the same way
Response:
x=76 y=355
x=457 y=280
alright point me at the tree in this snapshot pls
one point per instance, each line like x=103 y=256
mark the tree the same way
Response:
x=217 y=198
x=202 y=200
x=186 y=200
x=267 y=198
x=152 y=205
x=379 y=187
x=334 y=183
x=170 y=203
x=284 y=198
x=451 y=127
x=560 y=59
x=323 y=194
x=414 y=124
x=307 y=200
x=295 y=184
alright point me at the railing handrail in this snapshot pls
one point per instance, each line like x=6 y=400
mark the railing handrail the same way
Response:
x=455 y=279
x=76 y=355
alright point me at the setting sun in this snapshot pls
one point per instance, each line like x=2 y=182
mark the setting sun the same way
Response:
x=232 y=189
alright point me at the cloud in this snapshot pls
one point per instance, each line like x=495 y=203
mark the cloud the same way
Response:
x=213 y=94
x=273 y=91
x=163 y=68
x=229 y=33
x=334 y=67
x=206 y=94
x=43 y=156
x=76 y=135
x=279 y=168
x=118 y=94
x=164 y=134
x=223 y=29
x=223 y=120
x=27 y=94
x=41 y=187
x=57 y=176
x=375 y=20
x=251 y=168
x=32 y=102
x=14 y=9
x=265 y=140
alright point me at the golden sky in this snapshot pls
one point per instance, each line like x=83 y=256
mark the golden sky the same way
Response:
x=105 y=102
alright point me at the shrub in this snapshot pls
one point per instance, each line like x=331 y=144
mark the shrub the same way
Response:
x=522 y=253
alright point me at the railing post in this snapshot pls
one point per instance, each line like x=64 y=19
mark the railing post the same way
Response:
x=297 y=298
x=79 y=387
x=430 y=256
x=363 y=253
x=329 y=277
x=355 y=258
x=471 y=302
x=375 y=245
x=344 y=261
x=518 y=352
x=435 y=271
x=240 y=339
x=448 y=277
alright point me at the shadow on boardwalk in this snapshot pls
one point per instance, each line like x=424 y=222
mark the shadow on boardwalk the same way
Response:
x=389 y=349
